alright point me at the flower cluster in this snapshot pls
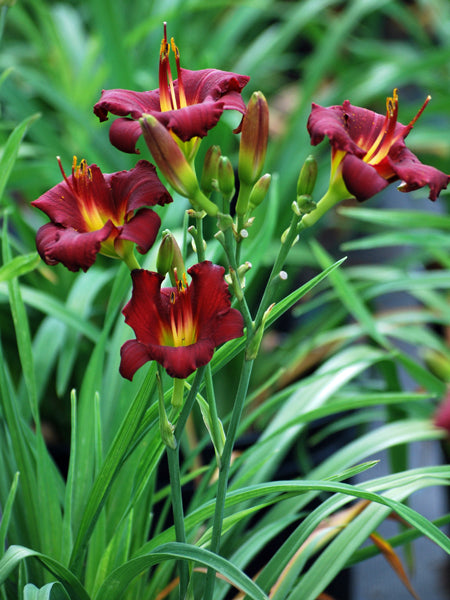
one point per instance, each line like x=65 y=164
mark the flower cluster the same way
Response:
x=91 y=212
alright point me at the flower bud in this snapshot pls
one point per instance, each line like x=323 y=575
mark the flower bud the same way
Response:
x=259 y=191
x=307 y=177
x=210 y=170
x=226 y=177
x=169 y=259
x=254 y=137
x=173 y=164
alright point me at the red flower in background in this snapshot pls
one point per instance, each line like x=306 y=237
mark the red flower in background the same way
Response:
x=180 y=326
x=188 y=107
x=92 y=212
x=368 y=149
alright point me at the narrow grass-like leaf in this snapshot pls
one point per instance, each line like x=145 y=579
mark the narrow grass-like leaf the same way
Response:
x=16 y=554
x=404 y=219
x=6 y=513
x=11 y=150
x=116 y=584
x=51 y=591
x=49 y=305
x=19 y=266
x=110 y=468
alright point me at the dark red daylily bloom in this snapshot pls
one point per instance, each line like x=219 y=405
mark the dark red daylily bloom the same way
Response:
x=180 y=326
x=188 y=107
x=368 y=149
x=92 y=212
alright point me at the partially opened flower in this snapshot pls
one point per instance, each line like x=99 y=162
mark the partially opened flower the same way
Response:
x=93 y=213
x=179 y=326
x=188 y=106
x=369 y=151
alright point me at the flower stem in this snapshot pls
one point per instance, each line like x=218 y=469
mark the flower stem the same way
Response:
x=288 y=241
x=335 y=193
x=131 y=261
x=173 y=458
x=224 y=470
x=216 y=434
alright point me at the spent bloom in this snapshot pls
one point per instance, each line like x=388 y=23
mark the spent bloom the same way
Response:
x=188 y=106
x=91 y=212
x=369 y=150
x=178 y=326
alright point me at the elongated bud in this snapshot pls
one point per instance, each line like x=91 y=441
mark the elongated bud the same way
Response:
x=210 y=170
x=173 y=164
x=307 y=178
x=259 y=191
x=170 y=259
x=226 y=177
x=254 y=137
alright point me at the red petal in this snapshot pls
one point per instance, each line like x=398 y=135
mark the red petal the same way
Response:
x=126 y=102
x=142 y=229
x=415 y=174
x=133 y=355
x=361 y=179
x=61 y=205
x=147 y=307
x=215 y=85
x=331 y=122
x=181 y=361
x=137 y=187
x=192 y=121
x=73 y=249
x=124 y=134
x=210 y=299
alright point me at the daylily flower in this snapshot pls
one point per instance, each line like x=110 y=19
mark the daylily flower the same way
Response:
x=188 y=106
x=368 y=149
x=179 y=326
x=93 y=213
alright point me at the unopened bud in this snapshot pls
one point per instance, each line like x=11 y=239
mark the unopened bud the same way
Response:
x=226 y=177
x=210 y=170
x=254 y=137
x=307 y=178
x=169 y=259
x=173 y=164
x=259 y=191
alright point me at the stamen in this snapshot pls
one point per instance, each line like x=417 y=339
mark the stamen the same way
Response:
x=380 y=148
x=181 y=93
x=411 y=123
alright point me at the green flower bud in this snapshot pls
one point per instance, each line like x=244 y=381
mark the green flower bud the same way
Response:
x=307 y=177
x=170 y=259
x=210 y=170
x=226 y=177
x=259 y=191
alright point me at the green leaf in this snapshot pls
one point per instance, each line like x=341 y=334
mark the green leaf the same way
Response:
x=6 y=516
x=403 y=219
x=11 y=150
x=51 y=591
x=19 y=266
x=116 y=584
x=16 y=554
